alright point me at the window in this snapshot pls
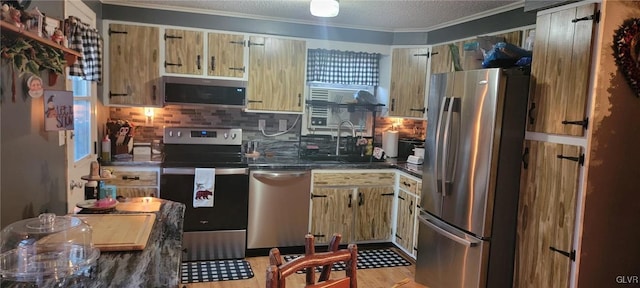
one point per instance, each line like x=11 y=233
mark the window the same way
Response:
x=82 y=118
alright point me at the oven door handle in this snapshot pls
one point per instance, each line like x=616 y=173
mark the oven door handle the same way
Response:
x=192 y=171
x=279 y=175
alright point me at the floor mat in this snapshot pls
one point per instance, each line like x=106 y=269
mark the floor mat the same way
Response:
x=367 y=259
x=218 y=270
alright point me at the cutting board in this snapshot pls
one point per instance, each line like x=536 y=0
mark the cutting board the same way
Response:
x=120 y=232
x=139 y=206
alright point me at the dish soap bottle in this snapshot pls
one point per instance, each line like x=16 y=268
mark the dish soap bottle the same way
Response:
x=106 y=149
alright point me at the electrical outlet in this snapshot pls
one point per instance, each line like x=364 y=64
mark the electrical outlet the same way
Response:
x=282 y=125
x=261 y=124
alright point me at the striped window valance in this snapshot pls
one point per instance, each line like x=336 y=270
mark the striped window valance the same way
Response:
x=343 y=67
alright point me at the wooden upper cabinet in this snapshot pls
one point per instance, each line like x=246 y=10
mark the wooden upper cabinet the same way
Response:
x=134 y=71
x=184 y=51
x=276 y=74
x=441 y=61
x=546 y=215
x=560 y=71
x=226 y=55
x=408 y=82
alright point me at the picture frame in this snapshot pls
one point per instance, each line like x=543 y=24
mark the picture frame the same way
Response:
x=50 y=26
x=58 y=110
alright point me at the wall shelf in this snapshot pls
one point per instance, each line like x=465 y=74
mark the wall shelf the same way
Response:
x=351 y=107
x=70 y=55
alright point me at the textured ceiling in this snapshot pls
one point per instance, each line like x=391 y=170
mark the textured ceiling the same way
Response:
x=391 y=15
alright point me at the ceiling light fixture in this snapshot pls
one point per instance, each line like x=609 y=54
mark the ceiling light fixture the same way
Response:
x=324 y=8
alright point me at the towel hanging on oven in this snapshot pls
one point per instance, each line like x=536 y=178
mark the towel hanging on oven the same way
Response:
x=203 y=184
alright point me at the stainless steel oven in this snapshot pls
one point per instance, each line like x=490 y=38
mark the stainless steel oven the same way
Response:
x=217 y=232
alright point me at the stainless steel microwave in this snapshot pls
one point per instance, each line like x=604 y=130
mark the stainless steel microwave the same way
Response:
x=203 y=91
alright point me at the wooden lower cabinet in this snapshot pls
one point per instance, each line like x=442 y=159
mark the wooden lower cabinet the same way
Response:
x=134 y=181
x=546 y=215
x=405 y=220
x=341 y=203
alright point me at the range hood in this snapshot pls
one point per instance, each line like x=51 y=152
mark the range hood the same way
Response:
x=204 y=91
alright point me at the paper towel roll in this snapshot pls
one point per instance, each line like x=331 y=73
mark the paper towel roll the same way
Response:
x=390 y=143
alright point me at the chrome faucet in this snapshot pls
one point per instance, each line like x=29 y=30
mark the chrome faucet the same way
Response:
x=353 y=134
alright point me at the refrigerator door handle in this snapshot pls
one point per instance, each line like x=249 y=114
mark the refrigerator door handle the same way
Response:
x=436 y=157
x=448 y=234
x=445 y=148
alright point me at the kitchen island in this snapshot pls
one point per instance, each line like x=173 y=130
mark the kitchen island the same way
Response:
x=158 y=265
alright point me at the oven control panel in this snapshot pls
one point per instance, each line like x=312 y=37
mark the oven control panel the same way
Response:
x=211 y=136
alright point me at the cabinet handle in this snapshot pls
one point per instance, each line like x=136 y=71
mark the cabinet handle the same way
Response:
x=532 y=110
x=411 y=208
x=360 y=199
x=393 y=104
x=401 y=198
x=204 y=221
x=571 y=255
x=319 y=235
x=237 y=42
x=254 y=101
x=116 y=32
x=584 y=123
x=418 y=110
x=171 y=64
x=198 y=62
x=397 y=236
x=387 y=194
x=153 y=91
x=318 y=196
x=254 y=44
x=406 y=184
x=117 y=94
x=525 y=158
x=130 y=178
x=213 y=63
x=171 y=37
x=579 y=159
x=349 y=203
x=299 y=99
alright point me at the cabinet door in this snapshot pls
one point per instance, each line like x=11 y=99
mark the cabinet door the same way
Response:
x=226 y=55
x=331 y=212
x=560 y=71
x=405 y=220
x=183 y=51
x=134 y=74
x=441 y=61
x=546 y=215
x=276 y=74
x=373 y=219
x=408 y=82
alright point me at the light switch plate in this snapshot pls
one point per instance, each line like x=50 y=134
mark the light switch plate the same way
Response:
x=61 y=137
x=261 y=124
x=282 y=125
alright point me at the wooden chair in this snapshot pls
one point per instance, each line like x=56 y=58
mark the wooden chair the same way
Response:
x=277 y=271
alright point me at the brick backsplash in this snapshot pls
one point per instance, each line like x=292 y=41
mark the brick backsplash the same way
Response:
x=216 y=117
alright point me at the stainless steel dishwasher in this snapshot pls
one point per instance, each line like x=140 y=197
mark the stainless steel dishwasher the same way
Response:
x=278 y=208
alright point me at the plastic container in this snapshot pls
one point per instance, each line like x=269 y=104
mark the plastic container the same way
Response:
x=47 y=251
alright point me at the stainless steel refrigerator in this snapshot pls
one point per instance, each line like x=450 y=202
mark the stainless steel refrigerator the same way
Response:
x=467 y=226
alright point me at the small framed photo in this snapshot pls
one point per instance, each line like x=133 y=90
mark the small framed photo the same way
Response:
x=58 y=110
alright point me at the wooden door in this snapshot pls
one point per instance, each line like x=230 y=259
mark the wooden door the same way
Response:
x=134 y=74
x=276 y=74
x=404 y=220
x=441 y=61
x=546 y=215
x=560 y=71
x=183 y=51
x=373 y=213
x=332 y=212
x=226 y=55
x=408 y=82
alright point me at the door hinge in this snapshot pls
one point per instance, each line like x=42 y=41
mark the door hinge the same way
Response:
x=571 y=255
x=419 y=110
x=116 y=32
x=532 y=110
x=595 y=17
x=525 y=158
x=318 y=235
x=387 y=194
x=171 y=37
x=584 y=123
x=432 y=53
x=579 y=159
x=237 y=69
x=423 y=54
x=238 y=42
x=318 y=196
x=397 y=236
x=117 y=94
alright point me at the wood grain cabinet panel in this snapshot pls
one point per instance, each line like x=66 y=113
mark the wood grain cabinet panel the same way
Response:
x=354 y=178
x=183 y=51
x=373 y=218
x=276 y=74
x=408 y=82
x=441 y=61
x=134 y=71
x=226 y=55
x=546 y=215
x=134 y=181
x=332 y=212
x=560 y=71
x=408 y=184
x=405 y=220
